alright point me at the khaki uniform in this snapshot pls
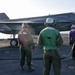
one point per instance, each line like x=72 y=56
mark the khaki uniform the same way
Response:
x=25 y=42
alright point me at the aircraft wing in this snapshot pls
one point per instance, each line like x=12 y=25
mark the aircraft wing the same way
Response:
x=13 y=27
x=4 y=27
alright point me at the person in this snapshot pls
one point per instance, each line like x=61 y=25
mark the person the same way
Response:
x=50 y=39
x=26 y=44
x=72 y=40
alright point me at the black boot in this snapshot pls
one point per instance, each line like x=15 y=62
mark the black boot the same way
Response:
x=73 y=58
x=22 y=68
x=30 y=68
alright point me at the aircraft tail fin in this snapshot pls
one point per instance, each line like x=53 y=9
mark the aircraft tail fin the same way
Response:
x=3 y=16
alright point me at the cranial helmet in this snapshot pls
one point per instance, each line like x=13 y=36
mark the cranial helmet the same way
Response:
x=22 y=25
x=73 y=26
x=49 y=20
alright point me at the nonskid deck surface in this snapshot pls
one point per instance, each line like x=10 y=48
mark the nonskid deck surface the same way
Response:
x=9 y=61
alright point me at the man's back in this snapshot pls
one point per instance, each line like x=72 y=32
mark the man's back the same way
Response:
x=24 y=37
x=49 y=36
x=72 y=34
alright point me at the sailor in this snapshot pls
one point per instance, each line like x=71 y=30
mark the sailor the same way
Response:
x=26 y=44
x=50 y=39
x=72 y=40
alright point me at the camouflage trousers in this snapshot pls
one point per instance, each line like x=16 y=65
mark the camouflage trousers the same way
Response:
x=25 y=53
x=73 y=51
x=51 y=57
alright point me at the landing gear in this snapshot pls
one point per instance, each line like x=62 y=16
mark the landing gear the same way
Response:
x=14 y=42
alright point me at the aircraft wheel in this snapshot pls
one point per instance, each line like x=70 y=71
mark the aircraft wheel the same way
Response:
x=14 y=42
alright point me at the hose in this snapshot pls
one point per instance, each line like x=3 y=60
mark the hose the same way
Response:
x=68 y=54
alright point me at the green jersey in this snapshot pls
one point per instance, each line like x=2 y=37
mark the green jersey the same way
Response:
x=48 y=38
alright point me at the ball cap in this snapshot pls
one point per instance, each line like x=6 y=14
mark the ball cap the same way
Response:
x=50 y=20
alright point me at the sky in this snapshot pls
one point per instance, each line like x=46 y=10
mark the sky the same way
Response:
x=32 y=8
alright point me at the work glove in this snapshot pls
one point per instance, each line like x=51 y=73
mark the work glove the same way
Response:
x=70 y=42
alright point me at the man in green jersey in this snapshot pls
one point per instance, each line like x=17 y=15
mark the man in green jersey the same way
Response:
x=50 y=39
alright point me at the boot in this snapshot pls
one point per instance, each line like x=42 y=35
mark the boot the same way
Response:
x=30 y=68
x=73 y=58
x=22 y=68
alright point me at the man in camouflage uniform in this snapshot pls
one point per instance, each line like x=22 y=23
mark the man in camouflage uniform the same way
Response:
x=26 y=44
